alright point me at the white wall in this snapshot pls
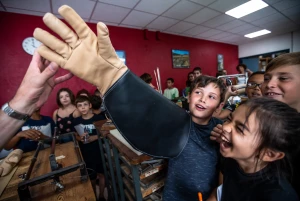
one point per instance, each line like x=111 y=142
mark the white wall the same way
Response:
x=286 y=41
x=296 y=41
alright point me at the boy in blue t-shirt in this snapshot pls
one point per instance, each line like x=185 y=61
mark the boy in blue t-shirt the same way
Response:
x=88 y=141
x=38 y=127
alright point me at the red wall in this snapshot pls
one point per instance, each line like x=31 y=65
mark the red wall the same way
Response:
x=141 y=55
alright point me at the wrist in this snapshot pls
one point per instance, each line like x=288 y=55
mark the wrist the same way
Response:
x=21 y=104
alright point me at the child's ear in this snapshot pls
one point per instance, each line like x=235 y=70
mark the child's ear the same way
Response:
x=220 y=107
x=270 y=155
x=90 y=105
x=188 y=97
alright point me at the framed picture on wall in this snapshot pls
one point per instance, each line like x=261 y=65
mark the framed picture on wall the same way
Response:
x=220 y=62
x=121 y=54
x=181 y=58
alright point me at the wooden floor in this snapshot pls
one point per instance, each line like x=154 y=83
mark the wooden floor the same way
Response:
x=74 y=188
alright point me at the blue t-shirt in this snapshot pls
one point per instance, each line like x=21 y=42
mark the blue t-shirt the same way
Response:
x=29 y=145
x=196 y=169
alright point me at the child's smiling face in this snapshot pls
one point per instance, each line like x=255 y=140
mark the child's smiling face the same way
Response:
x=283 y=84
x=240 y=138
x=203 y=101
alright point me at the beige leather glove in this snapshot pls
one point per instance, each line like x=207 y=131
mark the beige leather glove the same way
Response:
x=10 y=162
x=90 y=57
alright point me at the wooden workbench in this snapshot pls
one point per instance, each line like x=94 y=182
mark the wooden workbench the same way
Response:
x=74 y=190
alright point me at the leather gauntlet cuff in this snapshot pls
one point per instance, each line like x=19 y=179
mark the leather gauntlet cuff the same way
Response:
x=150 y=122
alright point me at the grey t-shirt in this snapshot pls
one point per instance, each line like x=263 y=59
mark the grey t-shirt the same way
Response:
x=196 y=169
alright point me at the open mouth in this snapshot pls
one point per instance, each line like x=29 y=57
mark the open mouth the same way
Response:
x=272 y=94
x=256 y=94
x=225 y=142
x=200 y=107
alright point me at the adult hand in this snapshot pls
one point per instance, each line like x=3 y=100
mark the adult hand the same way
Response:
x=216 y=133
x=37 y=85
x=31 y=134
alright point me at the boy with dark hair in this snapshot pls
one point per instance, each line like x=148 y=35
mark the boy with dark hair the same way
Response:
x=200 y=157
x=88 y=142
x=96 y=102
x=171 y=92
x=197 y=71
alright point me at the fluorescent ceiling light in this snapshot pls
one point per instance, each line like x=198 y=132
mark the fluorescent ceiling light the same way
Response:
x=246 y=8
x=257 y=33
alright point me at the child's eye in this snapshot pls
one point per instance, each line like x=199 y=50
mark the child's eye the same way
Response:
x=212 y=97
x=283 y=78
x=240 y=130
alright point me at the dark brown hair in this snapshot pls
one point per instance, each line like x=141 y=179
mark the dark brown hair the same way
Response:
x=96 y=102
x=278 y=128
x=284 y=59
x=72 y=97
x=242 y=65
x=83 y=91
x=197 y=68
x=146 y=77
x=203 y=81
x=80 y=99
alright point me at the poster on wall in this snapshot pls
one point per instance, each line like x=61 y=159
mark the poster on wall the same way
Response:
x=181 y=58
x=121 y=54
x=220 y=62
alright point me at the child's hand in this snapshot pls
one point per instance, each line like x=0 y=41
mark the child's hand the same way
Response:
x=30 y=134
x=216 y=133
x=232 y=91
x=85 y=137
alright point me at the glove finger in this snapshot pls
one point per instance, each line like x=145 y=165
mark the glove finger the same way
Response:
x=54 y=43
x=75 y=21
x=106 y=50
x=51 y=56
x=61 y=29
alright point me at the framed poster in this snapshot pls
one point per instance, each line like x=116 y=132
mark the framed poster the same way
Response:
x=121 y=54
x=220 y=62
x=181 y=58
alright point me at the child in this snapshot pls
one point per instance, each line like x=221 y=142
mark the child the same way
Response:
x=65 y=114
x=190 y=79
x=90 y=148
x=257 y=151
x=171 y=92
x=282 y=79
x=148 y=79
x=83 y=92
x=195 y=169
x=96 y=102
x=253 y=87
x=197 y=72
x=31 y=132
x=282 y=82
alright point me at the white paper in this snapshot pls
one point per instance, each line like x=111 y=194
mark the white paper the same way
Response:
x=79 y=129
x=118 y=135
x=219 y=192
x=46 y=130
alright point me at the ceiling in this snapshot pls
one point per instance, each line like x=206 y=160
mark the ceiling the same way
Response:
x=203 y=19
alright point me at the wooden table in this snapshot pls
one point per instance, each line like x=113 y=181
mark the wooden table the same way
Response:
x=74 y=190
